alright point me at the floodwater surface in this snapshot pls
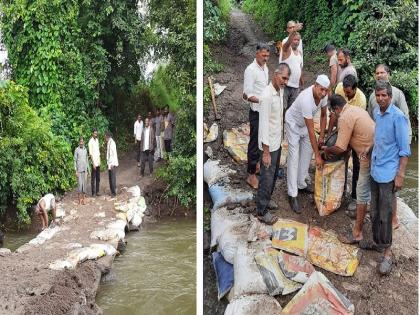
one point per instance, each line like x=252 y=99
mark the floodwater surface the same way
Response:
x=14 y=239
x=409 y=192
x=156 y=274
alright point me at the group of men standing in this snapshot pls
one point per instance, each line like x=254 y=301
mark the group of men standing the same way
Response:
x=82 y=166
x=377 y=133
x=153 y=137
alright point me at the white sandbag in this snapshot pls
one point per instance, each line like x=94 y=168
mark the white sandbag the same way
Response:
x=259 y=230
x=121 y=206
x=107 y=234
x=45 y=235
x=86 y=253
x=259 y=304
x=141 y=203
x=221 y=219
x=248 y=279
x=213 y=172
x=134 y=191
x=61 y=265
x=121 y=216
x=118 y=225
x=108 y=249
x=130 y=214
x=60 y=213
x=136 y=220
x=230 y=240
x=5 y=252
x=99 y=215
x=223 y=195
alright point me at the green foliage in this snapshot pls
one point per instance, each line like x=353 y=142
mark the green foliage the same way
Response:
x=210 y=65
x=33 y=160
x=376 y=31
x=215 y=21
x=174 y=85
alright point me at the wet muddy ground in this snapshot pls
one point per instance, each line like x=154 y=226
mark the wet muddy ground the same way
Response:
x=367 y=290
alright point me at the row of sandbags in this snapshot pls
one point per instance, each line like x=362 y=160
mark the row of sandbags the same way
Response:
x=250 y=269
x=133 y=210
x=217 y=178
x=79 y=255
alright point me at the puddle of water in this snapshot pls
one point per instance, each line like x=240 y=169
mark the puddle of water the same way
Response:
x=13 y=240
x=156 y=274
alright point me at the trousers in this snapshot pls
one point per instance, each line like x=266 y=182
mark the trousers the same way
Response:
x=112 y=180
x=268 y=177
x=95 y=179
x=298 y=158
x=147 y=156
x=253 y=153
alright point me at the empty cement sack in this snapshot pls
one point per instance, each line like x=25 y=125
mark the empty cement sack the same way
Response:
x=223 y=195
x=295 y=268
x=273 y=277
x=224 y=275
x=327 y=252
x=236 y=142
x=248 y=279
x=230 y=240
x=329 y=187
x=134 y=191
x=319 y=296
x=222 y=219
x=213 y=172
x=107 y=234
x=290 y=236
x=259 y=304
x=211 y=134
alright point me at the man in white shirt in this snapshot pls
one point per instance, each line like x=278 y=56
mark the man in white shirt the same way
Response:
x=293 y=57
x=95 y=158
x=270 y=135
x=112 y=162
x=138 y=129
x=301 y=137
x=44 y=205
x=148 y=140
x=291 y=27
x=255 y=81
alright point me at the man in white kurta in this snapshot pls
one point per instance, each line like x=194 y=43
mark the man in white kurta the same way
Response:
x=270 y=134
x=301 y=137
x=138 y=130
x=255 y=81
x=95 y=157
x=112 y=162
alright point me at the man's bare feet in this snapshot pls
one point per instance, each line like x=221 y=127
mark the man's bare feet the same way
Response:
x=257 y=168
x=252 y=181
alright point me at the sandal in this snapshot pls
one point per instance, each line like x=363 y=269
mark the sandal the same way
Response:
x=370 y=245
x=348 y=238
x=268 y=218
x=385 y=266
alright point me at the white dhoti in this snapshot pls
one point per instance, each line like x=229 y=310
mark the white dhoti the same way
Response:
x=298 y=158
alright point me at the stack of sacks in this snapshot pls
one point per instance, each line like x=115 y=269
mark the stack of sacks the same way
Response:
x=114 y=230
x=222 y=194
x=79 y=255
x=45 y=235
x=132 y=211
x=260 y=271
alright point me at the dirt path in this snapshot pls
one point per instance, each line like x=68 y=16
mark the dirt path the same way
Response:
x=370 y=293
x=28 y=286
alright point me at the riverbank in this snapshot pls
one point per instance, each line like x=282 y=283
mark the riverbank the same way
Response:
x=367 y=290
x=29 y=286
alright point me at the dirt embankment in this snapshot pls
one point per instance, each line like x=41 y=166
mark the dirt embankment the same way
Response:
x=369 y=292
x=28 y=286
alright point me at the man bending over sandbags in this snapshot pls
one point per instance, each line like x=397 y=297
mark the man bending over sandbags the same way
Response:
x=356 y=131
x=44 y=205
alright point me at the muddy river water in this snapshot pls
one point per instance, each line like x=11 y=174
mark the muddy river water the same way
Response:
x=156 y=274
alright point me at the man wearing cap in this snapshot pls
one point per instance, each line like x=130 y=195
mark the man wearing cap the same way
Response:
x=346 y=67
x=255 y=81
x=301 y=137
x=270 y=135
